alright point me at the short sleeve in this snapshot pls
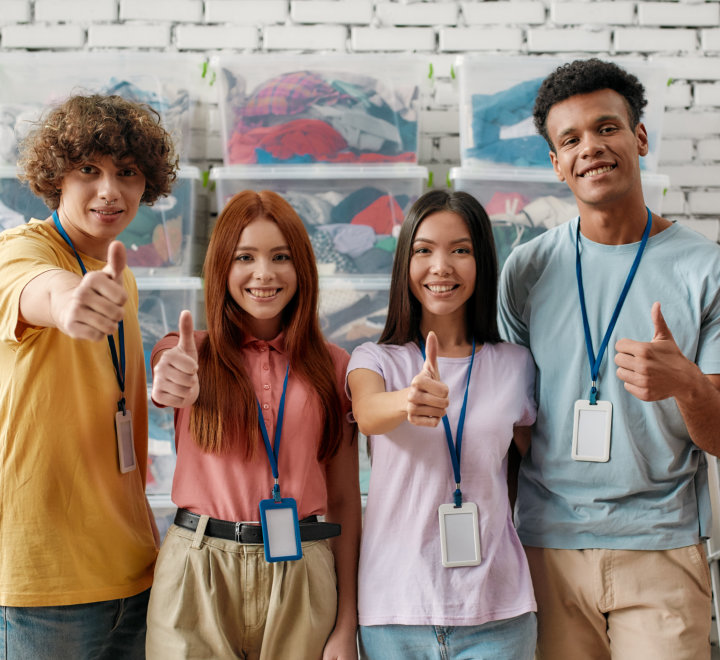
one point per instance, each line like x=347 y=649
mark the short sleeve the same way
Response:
x=528 y=412
x=365 y=356
x=23 y=257
x=511 y=302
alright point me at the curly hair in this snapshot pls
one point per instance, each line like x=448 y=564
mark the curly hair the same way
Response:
x=95 y=125
x=584 y=77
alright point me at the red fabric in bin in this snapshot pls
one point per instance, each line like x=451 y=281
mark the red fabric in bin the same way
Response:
x=381 y=215
x=293 y=138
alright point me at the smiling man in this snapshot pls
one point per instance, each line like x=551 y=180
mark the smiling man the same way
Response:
x=621 y=310
x=77 y=539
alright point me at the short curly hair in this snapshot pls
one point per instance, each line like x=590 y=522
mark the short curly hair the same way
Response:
x=86 y=126
x=584 y=77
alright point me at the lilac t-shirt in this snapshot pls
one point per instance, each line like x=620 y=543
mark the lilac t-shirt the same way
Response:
x=401 y=577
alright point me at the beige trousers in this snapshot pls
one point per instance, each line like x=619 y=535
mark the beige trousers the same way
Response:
x=622 y=604
x=218 y=599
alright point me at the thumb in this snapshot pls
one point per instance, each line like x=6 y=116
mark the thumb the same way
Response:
x=431 y=351
x=116 y=261
x=187 y=342
x=661 y=329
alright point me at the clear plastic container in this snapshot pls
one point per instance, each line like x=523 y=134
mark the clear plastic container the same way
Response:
x=277 y=109
x=497 y=95
x=524 y=203
x=352 y=213
x=29 y=82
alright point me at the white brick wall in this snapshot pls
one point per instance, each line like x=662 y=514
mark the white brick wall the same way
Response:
x=682 y=35
x=74 y=11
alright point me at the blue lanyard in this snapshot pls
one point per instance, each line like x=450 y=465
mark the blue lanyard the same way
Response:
x=455 y=447
x=273 y=452
x=595 y=362
x=119 y=366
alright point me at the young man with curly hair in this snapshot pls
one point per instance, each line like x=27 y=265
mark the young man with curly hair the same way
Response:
x=621 y=310
x=77 y=538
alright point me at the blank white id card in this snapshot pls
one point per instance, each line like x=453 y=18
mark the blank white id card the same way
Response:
x=281 y=530
x=125 y=444
x=592 y=425
x=459 y=535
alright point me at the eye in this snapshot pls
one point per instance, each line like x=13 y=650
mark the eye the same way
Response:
x=243 y=257
x=86 y=169
x=608 y=129
x=128 y=171
x=421 y=250
x=569 y=142
x=282 y=256
x=462 y=250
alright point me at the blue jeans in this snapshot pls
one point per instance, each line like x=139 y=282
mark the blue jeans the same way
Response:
x=507 y=639
x=108 y=630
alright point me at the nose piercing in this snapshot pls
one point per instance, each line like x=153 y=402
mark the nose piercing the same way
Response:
x=107 y=202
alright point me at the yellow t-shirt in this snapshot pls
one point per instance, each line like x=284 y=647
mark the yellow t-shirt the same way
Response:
x=73 y=528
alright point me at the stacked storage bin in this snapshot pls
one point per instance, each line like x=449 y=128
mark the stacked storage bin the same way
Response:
x=505 y=163
x=338 y=138
x=160 y=239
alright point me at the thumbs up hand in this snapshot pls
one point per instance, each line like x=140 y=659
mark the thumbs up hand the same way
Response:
x=427 y=394
x=652 y=370
x=93 y=308
x=175 y=379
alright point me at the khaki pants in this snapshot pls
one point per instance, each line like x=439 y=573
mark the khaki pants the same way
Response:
x=622 y=604
x=214 y=598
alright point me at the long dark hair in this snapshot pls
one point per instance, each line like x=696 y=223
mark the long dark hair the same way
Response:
x=226 y=405
x=404 y=310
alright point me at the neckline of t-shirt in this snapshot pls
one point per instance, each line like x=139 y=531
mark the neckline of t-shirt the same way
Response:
x=465 y=358
x=588 y=244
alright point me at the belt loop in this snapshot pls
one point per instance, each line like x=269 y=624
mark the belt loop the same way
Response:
x=200 y=532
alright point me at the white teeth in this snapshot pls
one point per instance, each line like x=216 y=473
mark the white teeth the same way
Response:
x=438 y=288
x=263 y=293
x=599 y=170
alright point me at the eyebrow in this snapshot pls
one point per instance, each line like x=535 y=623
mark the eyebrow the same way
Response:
x=251 y=248
x=420 y=239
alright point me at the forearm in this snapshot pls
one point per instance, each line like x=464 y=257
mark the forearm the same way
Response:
x=381 y=412
x=698 y=399
x=44 y=295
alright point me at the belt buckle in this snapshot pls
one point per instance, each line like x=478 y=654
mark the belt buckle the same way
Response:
x=238 y=526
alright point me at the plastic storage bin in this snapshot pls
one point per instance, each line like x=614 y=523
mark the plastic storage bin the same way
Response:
x=17 y=203
x=524 y=203
x=497 y=95
x=160 y=238
x=340 y=109
x=352 y=213
x=29 y=82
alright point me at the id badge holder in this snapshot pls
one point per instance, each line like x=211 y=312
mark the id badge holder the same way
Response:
x=281 y=529
x=592 y=425
x=125 y=444
x=459 y=535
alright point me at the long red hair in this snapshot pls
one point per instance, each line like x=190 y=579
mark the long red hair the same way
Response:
x=226 y=407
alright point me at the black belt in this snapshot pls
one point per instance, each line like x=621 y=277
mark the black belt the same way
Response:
x=310 y=528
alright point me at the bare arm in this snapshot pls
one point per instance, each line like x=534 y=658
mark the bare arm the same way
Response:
x=87 y=307
x=344 y=507
x=657 y=370
x=423 y=403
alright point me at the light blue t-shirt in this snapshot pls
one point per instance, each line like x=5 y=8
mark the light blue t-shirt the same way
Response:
x=652 y=494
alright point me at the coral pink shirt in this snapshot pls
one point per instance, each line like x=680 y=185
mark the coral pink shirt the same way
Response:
x=226 y=486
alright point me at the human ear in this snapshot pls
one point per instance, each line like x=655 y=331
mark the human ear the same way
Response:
x=556 y=166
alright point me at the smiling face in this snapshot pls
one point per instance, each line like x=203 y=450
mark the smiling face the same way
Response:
x=596 y=150
x=262 y=279
x=442 y=266
x=98 y=199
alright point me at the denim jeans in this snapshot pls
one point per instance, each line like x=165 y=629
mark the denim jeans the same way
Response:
x=107 y=630
x=507 y=639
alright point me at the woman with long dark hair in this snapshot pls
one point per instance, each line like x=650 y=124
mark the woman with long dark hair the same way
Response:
x=441 y=398
x=246 y=570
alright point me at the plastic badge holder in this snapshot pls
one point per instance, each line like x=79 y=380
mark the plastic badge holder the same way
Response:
x=281 y=529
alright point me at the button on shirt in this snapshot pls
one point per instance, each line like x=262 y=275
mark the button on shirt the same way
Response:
x=228 y=487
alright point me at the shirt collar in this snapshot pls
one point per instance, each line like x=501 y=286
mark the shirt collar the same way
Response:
x=278 y=343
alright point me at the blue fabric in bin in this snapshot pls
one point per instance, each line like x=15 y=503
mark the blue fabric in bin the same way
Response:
x=491 y=113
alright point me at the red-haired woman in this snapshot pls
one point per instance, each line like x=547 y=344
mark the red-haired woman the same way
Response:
x=262 y=371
